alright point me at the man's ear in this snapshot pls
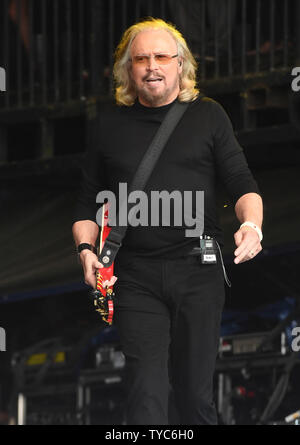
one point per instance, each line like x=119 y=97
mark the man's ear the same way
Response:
x=180 y=64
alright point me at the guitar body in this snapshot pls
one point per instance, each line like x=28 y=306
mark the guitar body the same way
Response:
x=103 y=294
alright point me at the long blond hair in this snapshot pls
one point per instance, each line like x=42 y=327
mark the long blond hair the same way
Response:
x=125 y=93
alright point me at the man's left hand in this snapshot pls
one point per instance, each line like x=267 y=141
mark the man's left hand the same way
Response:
x=248 y=244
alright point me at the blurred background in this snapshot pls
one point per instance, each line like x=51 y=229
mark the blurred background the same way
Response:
x=62 y=364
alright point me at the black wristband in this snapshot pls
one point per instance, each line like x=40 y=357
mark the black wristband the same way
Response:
x=84 y=246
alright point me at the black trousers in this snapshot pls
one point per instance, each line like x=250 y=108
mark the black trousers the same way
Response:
x=168 y=315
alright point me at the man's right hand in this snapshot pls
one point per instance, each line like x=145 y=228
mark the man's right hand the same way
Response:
x=90 y=264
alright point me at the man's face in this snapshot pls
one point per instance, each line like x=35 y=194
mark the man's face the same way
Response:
x=156 y=84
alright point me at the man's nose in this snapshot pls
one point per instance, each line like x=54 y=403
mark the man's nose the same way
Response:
x=152 y=64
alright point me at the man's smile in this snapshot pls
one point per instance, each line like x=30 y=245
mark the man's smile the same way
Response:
x=154 y=80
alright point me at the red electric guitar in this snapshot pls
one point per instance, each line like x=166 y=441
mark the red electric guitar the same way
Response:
x=103 y=294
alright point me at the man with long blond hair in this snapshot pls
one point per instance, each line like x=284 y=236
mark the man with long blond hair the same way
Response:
x=168 y=303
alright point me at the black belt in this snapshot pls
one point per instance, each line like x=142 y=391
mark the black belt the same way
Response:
x=196 y=251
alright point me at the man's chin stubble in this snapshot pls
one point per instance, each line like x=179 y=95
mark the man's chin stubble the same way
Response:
x=153 y=99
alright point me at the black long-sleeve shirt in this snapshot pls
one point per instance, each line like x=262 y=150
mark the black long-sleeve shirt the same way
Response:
x=202 y=146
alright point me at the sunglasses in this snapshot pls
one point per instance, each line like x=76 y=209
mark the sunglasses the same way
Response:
x=160 y=59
